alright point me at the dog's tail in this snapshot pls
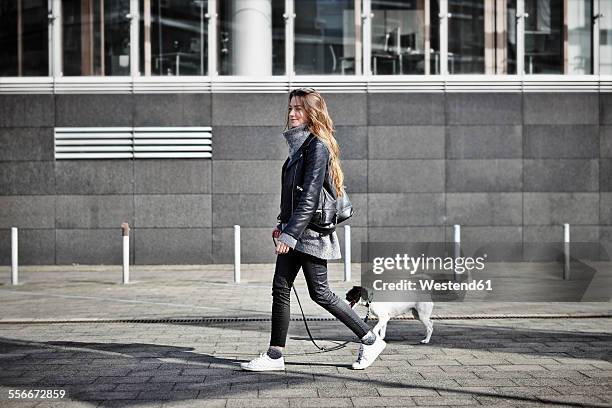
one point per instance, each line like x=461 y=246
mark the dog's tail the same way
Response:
x=415 y=313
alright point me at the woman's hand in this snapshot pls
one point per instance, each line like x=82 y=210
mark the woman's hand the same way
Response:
x=281 y=248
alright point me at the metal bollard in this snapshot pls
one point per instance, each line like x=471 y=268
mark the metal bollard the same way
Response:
x=125 y=232
x=566 y=251
x=457 y=243
x=14 y=256
x=237 y=253
x=347 y=253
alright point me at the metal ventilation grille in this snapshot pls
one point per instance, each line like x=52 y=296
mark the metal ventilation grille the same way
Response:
x=137 y=143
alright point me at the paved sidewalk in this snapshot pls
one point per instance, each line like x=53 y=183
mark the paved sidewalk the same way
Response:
x=562 y=360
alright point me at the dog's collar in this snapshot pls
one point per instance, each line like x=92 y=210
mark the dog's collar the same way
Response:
x=370 y=299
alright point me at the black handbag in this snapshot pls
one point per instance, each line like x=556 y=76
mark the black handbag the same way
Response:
x=331 y=210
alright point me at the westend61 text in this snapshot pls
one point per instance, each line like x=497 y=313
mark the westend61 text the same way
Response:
x=430 y=284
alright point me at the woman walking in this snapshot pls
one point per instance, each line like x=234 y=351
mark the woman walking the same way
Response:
x=313 y=160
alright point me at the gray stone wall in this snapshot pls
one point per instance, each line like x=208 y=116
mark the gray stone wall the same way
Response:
x=506 y=166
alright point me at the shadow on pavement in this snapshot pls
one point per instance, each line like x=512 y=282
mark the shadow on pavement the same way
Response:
x=118 y=374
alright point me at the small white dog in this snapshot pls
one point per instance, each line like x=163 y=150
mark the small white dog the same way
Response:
x=384 y=311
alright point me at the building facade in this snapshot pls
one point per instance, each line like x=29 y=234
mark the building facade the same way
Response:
x=492 y=114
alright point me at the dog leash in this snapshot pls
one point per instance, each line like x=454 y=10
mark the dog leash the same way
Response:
x=324 y=349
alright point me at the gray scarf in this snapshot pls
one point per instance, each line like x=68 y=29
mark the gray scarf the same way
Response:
x=295 y=137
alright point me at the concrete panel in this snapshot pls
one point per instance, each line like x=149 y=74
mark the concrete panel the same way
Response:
x=347 y=109
x=483 y=109
x=172 y=110
x=605 y=174
x=486 y=209
x=605 y=209
x=399 y=210
x=27 y=211
x=605 y=140
x=96 y=211
x=562 y=141
x=406 y=234
x=561 y=175
x=484 y=142
x=172 y=176
x=486 y=235
x=94 y=176
x=27 y=177
x=249 y=109
x=247 y=176
x=406 y=142
x=94 y=110
x=26 y=143
x=561 y=108
x=405 y=176
x=27 y=110
x=173 y=211
x=90 y=246
x=560 y=208
x=249 y=143
x=256 y=246
x=605 y=108
x=170 y=246
x=405 y=109
x=554 y=233
x=197 y=109
x=360 y=210
x=36 y=247
x=246 y=210
x=484 y=175
x=355 y=175
x=353 y=141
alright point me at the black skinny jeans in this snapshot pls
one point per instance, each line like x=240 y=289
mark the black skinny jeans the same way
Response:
x=315 y=272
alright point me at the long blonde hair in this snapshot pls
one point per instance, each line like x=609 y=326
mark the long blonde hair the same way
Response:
x=321 y=126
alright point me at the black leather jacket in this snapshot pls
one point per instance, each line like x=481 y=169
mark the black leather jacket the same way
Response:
x=302 y=180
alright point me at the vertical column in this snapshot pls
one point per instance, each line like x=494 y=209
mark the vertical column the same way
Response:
x=366 y=16
x=444 y=16
x=347 y=253
x=56 y=19
x=520 y=36
x=358 y=37
x=146 y=19
x=489 y=36
x=289 y=17
x=426 y=7
x=237 y=253
x=212 y=38
x=134 y=41
x=14 y=256
x=86 y=37
x=19 y=38
x=566 y=251
x=252 y=37
x=595 y=36
x=501 y=51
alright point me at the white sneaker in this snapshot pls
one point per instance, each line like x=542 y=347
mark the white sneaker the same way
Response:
x=264 y=363
x=367 y=354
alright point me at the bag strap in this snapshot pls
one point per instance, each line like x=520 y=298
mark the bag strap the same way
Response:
x=327 y=181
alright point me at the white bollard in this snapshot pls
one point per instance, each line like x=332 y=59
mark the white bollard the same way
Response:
x=14 y=255
x=457 y=242
x=125 y=232
x=237 y=253
x=347 y=253
x=566 y=251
